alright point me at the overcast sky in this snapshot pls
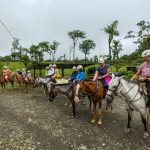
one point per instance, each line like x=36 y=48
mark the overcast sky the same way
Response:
x=33 y=21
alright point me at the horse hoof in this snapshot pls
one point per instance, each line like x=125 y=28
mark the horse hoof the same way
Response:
x=93 y=121
x=100 y=122
x=126 y=131
x=113 y=112
x=146 y=135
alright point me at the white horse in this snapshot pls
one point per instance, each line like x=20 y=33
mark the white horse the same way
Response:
x=44 y=81
x=134 y=97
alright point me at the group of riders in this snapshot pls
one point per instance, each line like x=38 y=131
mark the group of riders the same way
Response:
x=26 y=75
x=102 y=73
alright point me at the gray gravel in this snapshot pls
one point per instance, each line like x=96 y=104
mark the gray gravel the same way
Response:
x=28 y=121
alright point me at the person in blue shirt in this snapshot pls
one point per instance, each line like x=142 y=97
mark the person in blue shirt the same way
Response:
x=73 y=74
x=102 y=72
x=81 y=74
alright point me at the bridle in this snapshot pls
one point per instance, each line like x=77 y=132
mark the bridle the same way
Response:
x=122 y=95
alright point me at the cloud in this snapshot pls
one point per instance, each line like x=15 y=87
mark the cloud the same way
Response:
x=33 y=21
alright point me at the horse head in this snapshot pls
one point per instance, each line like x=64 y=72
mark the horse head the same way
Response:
x=113 y=87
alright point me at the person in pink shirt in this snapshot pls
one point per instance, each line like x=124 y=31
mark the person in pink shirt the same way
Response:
x=144 y=73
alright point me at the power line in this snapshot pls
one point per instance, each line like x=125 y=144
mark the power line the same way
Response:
x=7 y=29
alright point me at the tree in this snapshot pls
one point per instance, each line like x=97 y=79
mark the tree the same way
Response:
x=33 y=50
x=86 y=46
x=112 y=31
x=116 y=48
x=25 y=60
x=142 y=36
x=42 y=47
x=16 y=48
x=75 y=35
x=54 y=47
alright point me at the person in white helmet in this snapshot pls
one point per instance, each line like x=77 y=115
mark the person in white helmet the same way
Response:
x=102 y=72
x=73 y=74
x=51 y=71
x=56 y=71
x=81 y=74
x=24 y=73
x=144 y=73
x=19 y=72
x=6 y=73
x=29 y=75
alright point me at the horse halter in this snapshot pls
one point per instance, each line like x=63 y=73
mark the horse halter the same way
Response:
x=113 y=91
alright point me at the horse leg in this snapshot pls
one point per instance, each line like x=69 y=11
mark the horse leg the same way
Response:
x=145 y=123
x=90 y=105
x=100 y=114
x=126 y=131
x=94 y=112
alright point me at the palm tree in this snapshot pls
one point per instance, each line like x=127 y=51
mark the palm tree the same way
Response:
x=15 y=46
x=116 y=48
x=112 y=31
x=54 y=47
x=75 y=35
x=86 y=46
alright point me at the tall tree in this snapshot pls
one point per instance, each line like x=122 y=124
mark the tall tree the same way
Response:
x=86 y=46
x=116 y=48
x=75 y=35
x=33 y=50
x=42 y=47
x=15 y=48
x=142 y=36
x=112 y=31
x=54 y=47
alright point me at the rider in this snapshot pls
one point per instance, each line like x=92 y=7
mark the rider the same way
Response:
x=19 y=72
x=29 y=75
x=56 y=71
x=144 y=73
x=74 y=73
x=81 y=74
x=51 y=71
x=24 y=73
x=102 y=72
x=6 y=73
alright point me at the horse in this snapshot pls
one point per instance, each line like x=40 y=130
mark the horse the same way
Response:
x=21 y=81
x=3 y=82
x=43 y=81
x=96 y=94
x=135 y=99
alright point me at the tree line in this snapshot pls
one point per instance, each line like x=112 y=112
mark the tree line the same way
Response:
x=35 y=53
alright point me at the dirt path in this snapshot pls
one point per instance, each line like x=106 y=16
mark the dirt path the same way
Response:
x=30 y=121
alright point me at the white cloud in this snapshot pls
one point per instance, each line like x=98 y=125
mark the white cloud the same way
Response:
x=33 y=21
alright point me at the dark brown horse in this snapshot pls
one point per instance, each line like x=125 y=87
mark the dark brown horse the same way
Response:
x=95 y=92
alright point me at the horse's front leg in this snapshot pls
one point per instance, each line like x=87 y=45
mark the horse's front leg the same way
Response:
x=94 y=112
x=126 y=131
x=100 y=113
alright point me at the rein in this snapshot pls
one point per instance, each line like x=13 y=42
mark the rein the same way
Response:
x=127 y=93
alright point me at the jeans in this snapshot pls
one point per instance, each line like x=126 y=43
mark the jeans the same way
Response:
x=147 y=83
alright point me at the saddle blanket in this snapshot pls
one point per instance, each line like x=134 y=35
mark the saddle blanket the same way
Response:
x=62 y=81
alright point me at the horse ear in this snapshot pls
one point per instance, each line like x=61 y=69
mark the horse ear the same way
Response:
x=113 y=75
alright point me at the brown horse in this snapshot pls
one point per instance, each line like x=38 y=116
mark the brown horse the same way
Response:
x=22 y=82
x=93 y=90
x=3 y=82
